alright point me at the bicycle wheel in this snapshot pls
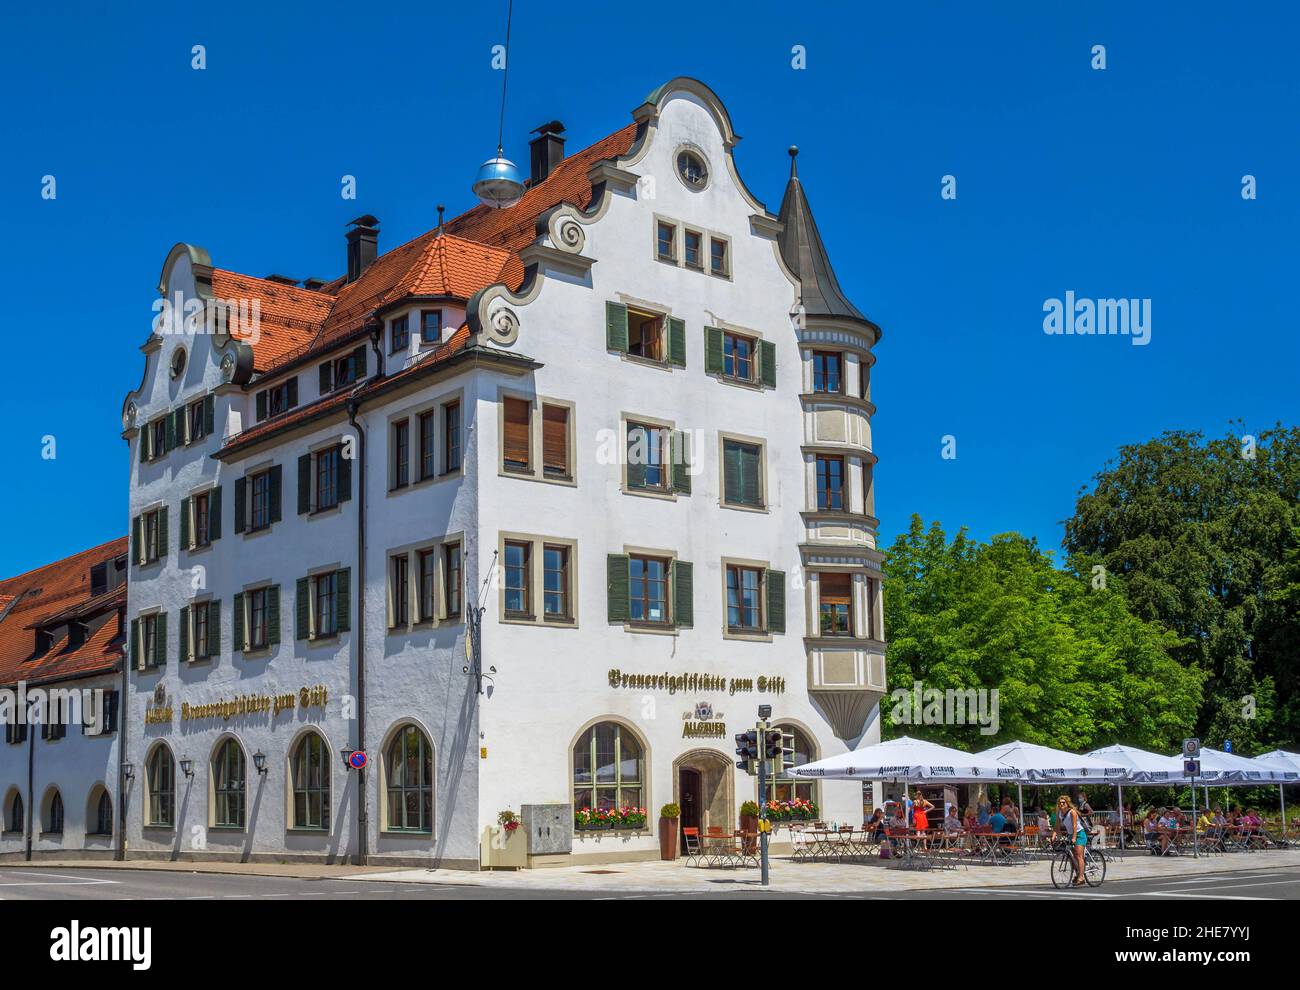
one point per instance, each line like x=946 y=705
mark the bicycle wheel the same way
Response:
x=1063 y=870
x=1094 y=868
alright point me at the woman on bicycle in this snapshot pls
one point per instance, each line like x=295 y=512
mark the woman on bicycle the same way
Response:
x=1071 y=823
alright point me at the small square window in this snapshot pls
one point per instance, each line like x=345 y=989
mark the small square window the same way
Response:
x=694 y=250
x=666 y=240
x=719 y=262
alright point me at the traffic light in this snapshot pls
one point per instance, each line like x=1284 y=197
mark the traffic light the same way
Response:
x=785 y=758
x=747 y=750
x=772 y=743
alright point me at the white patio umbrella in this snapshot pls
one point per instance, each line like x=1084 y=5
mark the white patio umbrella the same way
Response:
x=1045 y=765
x=908 y=759
x=1286 y=770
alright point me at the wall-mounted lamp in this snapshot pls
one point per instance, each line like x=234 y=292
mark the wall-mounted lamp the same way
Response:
x=187 y=766
x=128 y=771
x=346 y=752
x=259 y=761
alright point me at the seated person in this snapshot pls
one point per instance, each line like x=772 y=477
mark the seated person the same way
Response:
x=951 y=823
x=1151 y=832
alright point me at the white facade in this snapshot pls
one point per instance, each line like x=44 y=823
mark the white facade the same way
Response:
x=549 y=681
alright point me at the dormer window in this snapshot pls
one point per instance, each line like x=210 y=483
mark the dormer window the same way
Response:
x=76 y=634
x=277 y=399
x=99 y=579
x=44 y=640
x=400 y=333
x=430 y=326
x=343 y=371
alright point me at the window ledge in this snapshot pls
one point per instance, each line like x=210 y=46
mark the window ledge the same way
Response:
x=762 y=509
x=748 y=635
x=663 y=496
x=653 y=628
x=330 y=510
x=646 y=362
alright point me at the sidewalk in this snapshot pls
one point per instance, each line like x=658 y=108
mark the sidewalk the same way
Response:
x=825 y=878
x=786 y=875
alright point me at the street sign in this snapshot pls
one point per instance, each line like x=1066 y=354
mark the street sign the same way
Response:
x=357 y=760
x=1191 y=749
x=1191 y=768
x=1227 y=745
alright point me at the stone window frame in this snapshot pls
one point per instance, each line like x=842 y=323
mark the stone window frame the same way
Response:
x=411 y=551
x=536 y=452
x=537 y=544
x=764 y=486
x=764 y=634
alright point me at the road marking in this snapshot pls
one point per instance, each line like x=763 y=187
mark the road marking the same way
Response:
x=1212 y=897
x=57 y=876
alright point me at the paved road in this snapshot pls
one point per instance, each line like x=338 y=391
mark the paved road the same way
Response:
x=99 y=884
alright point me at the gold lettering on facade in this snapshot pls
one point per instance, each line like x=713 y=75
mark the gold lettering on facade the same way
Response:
x=701 y=682
x=243 y=704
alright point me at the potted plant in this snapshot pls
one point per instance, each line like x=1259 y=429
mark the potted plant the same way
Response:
x=749 y=823
x=631 y=818
x=668 y=816
x=508 y=821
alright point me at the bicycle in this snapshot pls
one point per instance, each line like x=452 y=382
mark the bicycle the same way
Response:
x=1094 y=865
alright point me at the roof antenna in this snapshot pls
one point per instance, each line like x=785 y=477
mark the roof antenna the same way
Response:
x=498 y=183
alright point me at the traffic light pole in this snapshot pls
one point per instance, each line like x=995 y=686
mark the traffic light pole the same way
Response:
x=762 y=803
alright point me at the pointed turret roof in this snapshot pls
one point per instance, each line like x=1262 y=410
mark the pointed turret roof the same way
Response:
x=805 y=256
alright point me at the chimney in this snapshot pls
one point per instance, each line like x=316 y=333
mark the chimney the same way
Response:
x=547 y=150
x=363 y=245
x=314 y=284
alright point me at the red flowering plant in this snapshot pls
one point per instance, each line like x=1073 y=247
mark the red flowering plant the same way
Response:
x=796 y=809
x=508 y=820
x=626 y=817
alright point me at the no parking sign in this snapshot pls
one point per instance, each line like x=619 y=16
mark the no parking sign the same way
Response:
x=358 y=760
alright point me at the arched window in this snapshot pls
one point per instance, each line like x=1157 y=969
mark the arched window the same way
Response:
x=410 y=782
x=608 y=768
x=785 y=788
x=17 y=820
x=228 y=786
x=161 y=781
x=54 y=814
x=311 y=783
x=102 y=822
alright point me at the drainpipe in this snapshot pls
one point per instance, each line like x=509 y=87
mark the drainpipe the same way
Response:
x=359 y=633
x=122 y=720
x=31 y=774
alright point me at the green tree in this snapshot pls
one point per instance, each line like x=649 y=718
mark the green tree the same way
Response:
x=1204 y=537
x=1074 y=668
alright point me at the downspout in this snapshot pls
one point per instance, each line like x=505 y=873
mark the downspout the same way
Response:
x=120 y=853
x=359 y=634
x=31 y=774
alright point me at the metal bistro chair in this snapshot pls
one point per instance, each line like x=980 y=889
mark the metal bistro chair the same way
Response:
x=694 y=851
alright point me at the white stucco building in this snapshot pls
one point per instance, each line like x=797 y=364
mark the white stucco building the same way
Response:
x=628 y=418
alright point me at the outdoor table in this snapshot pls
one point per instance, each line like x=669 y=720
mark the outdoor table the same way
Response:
x=913 y=849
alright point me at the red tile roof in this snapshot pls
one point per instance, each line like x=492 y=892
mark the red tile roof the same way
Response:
x=476 y=249
x=58 y=590
x=337 y=401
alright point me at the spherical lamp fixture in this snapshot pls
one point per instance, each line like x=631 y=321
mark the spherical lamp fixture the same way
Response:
x=498 y=183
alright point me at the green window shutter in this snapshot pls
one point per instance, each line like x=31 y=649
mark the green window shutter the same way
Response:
x=616 y=571
x=676 y=342
x=636 y=457
x=775 y=601
x=343 y=587
x=767 y=363
x=214 y=627
x=713 y=351
x=261 y=405
x=680 y=451
x=302 y=609
x=683 y=594
x=275 y=493
x=273 y=615
x=183 y=631
x=162 y=532
x=345 y=476
x=182 y=426
x=304 y=484
x=293 y=392
x=359 y=360
x=214 y=514
x=237 y=642
x=185 y=525
x=241 y=507
x=751 y=460
x=732 y=487
x=135 y=644
x=209 y=414
x=616 y=327
x=160 y=641
x=170 y=442
x=326 y=378
x=137 y=539
x=144 y=444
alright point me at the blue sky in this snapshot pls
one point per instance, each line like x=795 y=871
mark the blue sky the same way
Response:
x=1122 y=182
